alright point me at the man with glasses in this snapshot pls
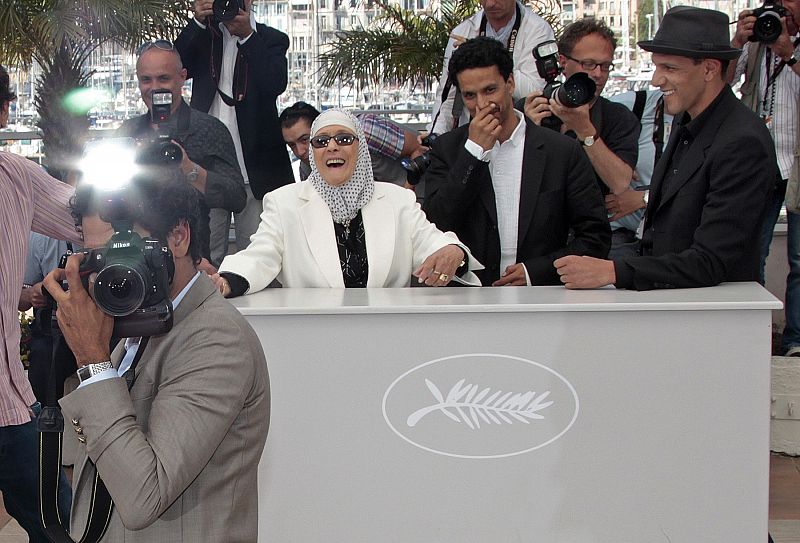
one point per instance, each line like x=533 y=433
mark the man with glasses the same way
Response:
x=608 y=132
x=238 y=70
x=209 y=158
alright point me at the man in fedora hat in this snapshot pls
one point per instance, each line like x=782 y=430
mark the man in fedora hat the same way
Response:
x=710 y=187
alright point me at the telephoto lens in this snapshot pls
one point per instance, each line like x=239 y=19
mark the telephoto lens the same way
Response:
x=576 y=91
x=225 y=10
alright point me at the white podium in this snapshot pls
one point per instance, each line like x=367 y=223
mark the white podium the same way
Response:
x=515 y=415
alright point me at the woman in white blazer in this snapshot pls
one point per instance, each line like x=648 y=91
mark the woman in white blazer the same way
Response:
x=341 y=229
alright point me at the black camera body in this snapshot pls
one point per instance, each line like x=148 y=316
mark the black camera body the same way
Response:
x=160 y=149
x=132 y=283
x=576 y=91
x=768 y=27
x=415 y=167
x=225 y=10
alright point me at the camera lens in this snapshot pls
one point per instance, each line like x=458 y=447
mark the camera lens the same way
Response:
x=119 y=290
x=576 y=91
x=767 y=27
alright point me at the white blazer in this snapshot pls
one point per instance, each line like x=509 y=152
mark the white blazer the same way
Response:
x=296 y=243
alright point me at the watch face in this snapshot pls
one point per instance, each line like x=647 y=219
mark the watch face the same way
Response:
x=588 y=142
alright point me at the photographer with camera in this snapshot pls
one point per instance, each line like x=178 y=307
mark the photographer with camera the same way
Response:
x=608 y=132
x=207 y=157
x=173 y=423
x=238 y=69
x=769 y=39
x=518 y=195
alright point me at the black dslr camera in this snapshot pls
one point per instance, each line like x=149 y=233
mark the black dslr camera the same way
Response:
x=415 y=167
x=160 y=149
x=576 y=91
x=767 y=27
x=225 y=10
x=133 y=274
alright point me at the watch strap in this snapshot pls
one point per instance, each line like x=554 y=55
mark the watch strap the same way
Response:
x=792 y=60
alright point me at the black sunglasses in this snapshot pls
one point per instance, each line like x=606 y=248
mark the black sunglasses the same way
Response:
x=164 y=45
x=320 y=142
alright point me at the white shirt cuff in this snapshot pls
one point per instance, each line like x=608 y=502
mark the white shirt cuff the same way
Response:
x=198 y=23
x=527 y=277
x=478 y=152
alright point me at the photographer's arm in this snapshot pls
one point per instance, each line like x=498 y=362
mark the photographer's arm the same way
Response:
x=200 y=394
x=219 y=177
x=194 y=44
x=611 y=169
x=265 y=51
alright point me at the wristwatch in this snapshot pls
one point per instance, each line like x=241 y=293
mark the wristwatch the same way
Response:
x=90 y=370
x=646 y=197
x=192 y=175
x=792 y=60
x=588 y=142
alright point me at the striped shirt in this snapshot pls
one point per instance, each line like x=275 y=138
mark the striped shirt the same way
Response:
x=780 y=105
x=29 y=200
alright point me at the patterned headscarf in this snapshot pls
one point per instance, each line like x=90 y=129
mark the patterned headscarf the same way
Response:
x=347 y=199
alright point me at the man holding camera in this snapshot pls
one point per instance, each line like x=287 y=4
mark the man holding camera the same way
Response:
x=32 y=200
x=513 y=24
x=769 y=40
x=608 y=132
x=518 y=195
x=710 y=187
x=238 y=70
x=174 y=424
x=208 y=155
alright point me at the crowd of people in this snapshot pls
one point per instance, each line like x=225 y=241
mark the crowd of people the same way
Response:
x=678 y=187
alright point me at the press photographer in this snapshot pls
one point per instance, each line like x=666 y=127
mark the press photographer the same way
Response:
x=608 y=132
x=772 y=89
x=208 y=159
x=173 y=424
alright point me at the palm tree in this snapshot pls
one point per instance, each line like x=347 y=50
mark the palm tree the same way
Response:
x=402 y=45
x=60 y=35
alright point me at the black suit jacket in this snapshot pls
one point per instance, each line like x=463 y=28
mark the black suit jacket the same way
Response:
x=261 y=70
x=703 y=227
x=558 y=194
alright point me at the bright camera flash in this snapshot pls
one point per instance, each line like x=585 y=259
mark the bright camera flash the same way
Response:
x=109 y=164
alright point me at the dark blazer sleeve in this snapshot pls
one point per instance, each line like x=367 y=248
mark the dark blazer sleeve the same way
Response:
x=741 y=173
x=224 y=182
x=194 y=46
x=453 y=181
x=587 y=218
x=265 y=51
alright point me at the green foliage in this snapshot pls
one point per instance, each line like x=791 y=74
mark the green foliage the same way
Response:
x=403 y=46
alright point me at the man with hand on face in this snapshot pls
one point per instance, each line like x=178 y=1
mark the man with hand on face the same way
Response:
x=510 y=190
x=174 y=424
x=710 y=187
x=772 y=90
x=209 y=158
x=513 y=24
x=608 y=132
x=238 y=69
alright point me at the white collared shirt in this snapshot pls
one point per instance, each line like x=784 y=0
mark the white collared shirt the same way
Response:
x=132 y=344
x=505 y=167
x=219 y=109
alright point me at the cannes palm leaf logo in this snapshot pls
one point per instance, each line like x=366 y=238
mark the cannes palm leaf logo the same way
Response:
x=465 y=404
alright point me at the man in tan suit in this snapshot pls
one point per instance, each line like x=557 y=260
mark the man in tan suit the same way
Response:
x=179 y=451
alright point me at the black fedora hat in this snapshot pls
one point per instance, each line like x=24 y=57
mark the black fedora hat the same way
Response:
x=693 y=32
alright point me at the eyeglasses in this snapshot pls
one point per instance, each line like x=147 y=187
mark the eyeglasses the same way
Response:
x=164 y=45
x=590 y=65
x=320 y=142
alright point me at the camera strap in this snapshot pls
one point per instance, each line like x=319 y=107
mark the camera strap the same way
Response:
x=512 y=39
x=241 y=68
x=771 y=79
x=50 y=424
